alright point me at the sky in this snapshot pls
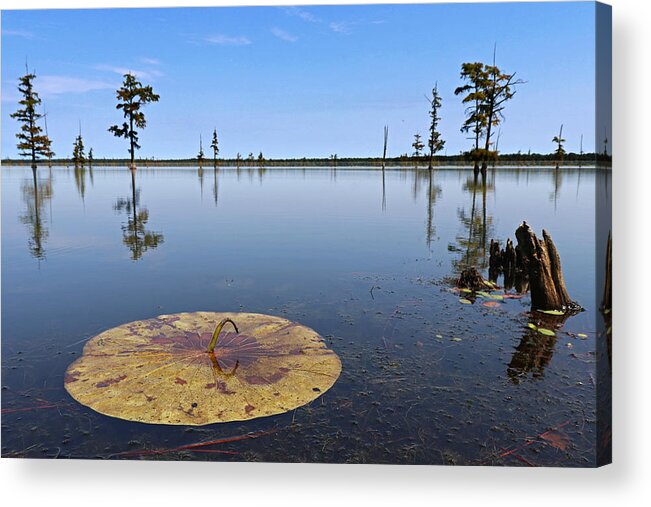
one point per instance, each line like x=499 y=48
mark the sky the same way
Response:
x=300 y=81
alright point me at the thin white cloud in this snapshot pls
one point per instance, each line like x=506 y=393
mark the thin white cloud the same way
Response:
x=283 y=35
x=227 y=40
x=18 y=33
x=335 y=26
x=150 y=61
x=10 y=95
x=49 y=85
x=142 y=74
x=302 y=14
x=339 y=27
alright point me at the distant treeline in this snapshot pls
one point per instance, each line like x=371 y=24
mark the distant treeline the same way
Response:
x=510 y=159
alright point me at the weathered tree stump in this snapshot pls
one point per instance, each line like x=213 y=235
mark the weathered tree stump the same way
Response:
x=543 y=264
x=606 y=306
x=509 y=262
x=495 y=256
x=607 y=298
x=471 y=279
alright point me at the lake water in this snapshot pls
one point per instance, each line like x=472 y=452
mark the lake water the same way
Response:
x=361 y=256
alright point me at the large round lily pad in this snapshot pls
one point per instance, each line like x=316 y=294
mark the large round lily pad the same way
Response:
x=160 y=371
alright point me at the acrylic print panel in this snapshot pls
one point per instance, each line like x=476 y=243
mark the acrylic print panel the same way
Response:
x=308 y=234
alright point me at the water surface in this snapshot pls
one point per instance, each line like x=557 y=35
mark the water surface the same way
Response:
x=361 y=256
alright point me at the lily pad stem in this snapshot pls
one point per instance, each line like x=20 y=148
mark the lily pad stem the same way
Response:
x=218 y=329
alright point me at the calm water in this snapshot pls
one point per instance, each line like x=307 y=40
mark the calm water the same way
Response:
x=360 y=258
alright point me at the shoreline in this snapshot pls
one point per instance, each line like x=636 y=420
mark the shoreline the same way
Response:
x=325 y=164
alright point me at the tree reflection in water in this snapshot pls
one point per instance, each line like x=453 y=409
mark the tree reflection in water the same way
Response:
x=535 y=350
x=531 y=356
x=433 y=193
x=135 y=235
x=215 y=186
x=36 y=194
x=80 y=180
x=472 y=244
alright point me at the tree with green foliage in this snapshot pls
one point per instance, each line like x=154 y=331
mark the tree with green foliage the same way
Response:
x=560 y=150
x=132 y=96
x=215 y=148
x=90 y=157
x=487 y=91
x=200 y=156
x=78 y=155
x=32 y=142
x=417 y=145
x=435 y=142
x=498 y=89
x=476 y=79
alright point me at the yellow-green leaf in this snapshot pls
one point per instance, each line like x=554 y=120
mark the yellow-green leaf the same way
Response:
x=551 y=312
x=546 y=332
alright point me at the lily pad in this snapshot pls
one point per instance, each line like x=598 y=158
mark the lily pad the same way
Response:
x=465 y=301
x=582 y=335
x=551 y=312
x=179 y=369
x=546 y=332
x=531 y=325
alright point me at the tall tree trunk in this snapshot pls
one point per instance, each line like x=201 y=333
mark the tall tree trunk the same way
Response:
x=384 y=151
x=131 y=151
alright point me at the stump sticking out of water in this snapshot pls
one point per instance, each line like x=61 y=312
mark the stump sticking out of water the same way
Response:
x=471 y=279
x=607 y=298
x=508 y=261
x=543 y=264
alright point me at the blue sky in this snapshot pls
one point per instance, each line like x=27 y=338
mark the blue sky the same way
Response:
x=300 y=81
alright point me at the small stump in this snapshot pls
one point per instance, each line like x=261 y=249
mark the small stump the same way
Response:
x=471 y=279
